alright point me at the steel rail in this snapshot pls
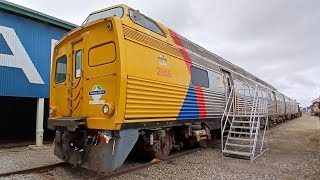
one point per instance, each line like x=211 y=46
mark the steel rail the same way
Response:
x=46 y=168
x=34 y=170
x=146 y=165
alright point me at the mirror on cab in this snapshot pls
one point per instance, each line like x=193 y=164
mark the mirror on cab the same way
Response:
x=135 y=15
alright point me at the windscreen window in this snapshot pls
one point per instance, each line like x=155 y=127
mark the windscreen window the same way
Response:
x=115 y=12
x=199 y=77
x=61 y=69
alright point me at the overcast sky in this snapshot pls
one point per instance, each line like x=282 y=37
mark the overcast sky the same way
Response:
x=276 y=40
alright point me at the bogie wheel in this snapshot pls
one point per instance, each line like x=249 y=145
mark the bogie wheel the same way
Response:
x=162 y=147
x=204 y=143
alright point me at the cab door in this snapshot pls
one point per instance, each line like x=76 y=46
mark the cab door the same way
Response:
x=76 y=89
x=228 y=84
x=59 y=88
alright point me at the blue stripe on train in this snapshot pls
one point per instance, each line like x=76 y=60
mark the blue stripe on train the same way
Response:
x=189 y=108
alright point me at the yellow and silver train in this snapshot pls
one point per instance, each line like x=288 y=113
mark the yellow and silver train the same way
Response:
x=122 y=80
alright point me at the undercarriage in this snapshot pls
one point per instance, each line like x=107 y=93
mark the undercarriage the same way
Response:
x=107 y=150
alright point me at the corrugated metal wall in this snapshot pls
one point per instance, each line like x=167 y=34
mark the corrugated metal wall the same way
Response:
x=25 y=56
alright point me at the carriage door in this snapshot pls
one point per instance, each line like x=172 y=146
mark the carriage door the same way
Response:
x=76 y=79
x=228 y=84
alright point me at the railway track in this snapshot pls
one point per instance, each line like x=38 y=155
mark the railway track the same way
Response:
x=40 y=169
x=146 y=165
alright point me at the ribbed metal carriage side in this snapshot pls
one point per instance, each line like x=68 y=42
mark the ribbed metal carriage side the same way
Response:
x=215 y=99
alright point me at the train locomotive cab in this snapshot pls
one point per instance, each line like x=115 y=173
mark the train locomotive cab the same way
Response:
x=85 y=93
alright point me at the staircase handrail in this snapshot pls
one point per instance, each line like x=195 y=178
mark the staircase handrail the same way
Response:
x=253 y=112
x=265 y=129
x=256 y=138
x=227 y=117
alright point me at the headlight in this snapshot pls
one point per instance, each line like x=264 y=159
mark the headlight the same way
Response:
x=105 y=109
x=50 y=110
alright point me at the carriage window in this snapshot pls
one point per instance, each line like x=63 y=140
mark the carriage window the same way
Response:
x=199 y=77
x=78 y=63
x=102 y=54
x=61 y=69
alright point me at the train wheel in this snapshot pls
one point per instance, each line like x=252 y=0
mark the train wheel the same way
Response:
x=204 y=143
x=162 y=147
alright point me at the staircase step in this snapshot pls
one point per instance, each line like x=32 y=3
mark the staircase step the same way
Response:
x=248 y=115
x=240 y=139
x=247 y=122
x=237 y=153
x=242 y=127
x=239 y=132
x=238 y=145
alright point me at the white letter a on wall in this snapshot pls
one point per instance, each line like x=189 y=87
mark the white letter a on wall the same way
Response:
x=20 y=58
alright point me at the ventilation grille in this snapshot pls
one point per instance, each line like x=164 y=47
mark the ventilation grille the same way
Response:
x=148 y=99
x=150 y=41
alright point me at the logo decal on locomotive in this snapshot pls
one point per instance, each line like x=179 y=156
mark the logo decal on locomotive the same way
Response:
x=96 y=94
x=163 y=60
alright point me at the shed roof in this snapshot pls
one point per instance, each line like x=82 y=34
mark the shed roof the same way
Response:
x=32 y=14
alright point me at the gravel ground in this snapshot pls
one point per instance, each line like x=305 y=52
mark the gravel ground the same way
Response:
x=294 y=154
x=23 y=158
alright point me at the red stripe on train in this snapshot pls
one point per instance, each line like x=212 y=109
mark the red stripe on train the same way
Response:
x=182 y=50
x=198 y=90
x=201 y=103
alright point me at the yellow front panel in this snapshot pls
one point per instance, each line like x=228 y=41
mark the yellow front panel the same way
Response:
x=98 y=79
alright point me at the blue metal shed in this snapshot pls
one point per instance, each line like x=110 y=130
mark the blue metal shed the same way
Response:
x=26 y=41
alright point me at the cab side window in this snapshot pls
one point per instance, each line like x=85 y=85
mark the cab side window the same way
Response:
x=153 y=27
x=149 y=24
x=78 y=63
x=61 y=69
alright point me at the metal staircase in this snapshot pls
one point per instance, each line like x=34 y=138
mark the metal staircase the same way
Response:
x=244 y=123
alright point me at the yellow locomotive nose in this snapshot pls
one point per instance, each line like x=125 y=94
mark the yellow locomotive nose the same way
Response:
x=86 y=91
x=86 y=82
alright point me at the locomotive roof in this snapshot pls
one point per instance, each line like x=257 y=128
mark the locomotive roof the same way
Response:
x=215 y=58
